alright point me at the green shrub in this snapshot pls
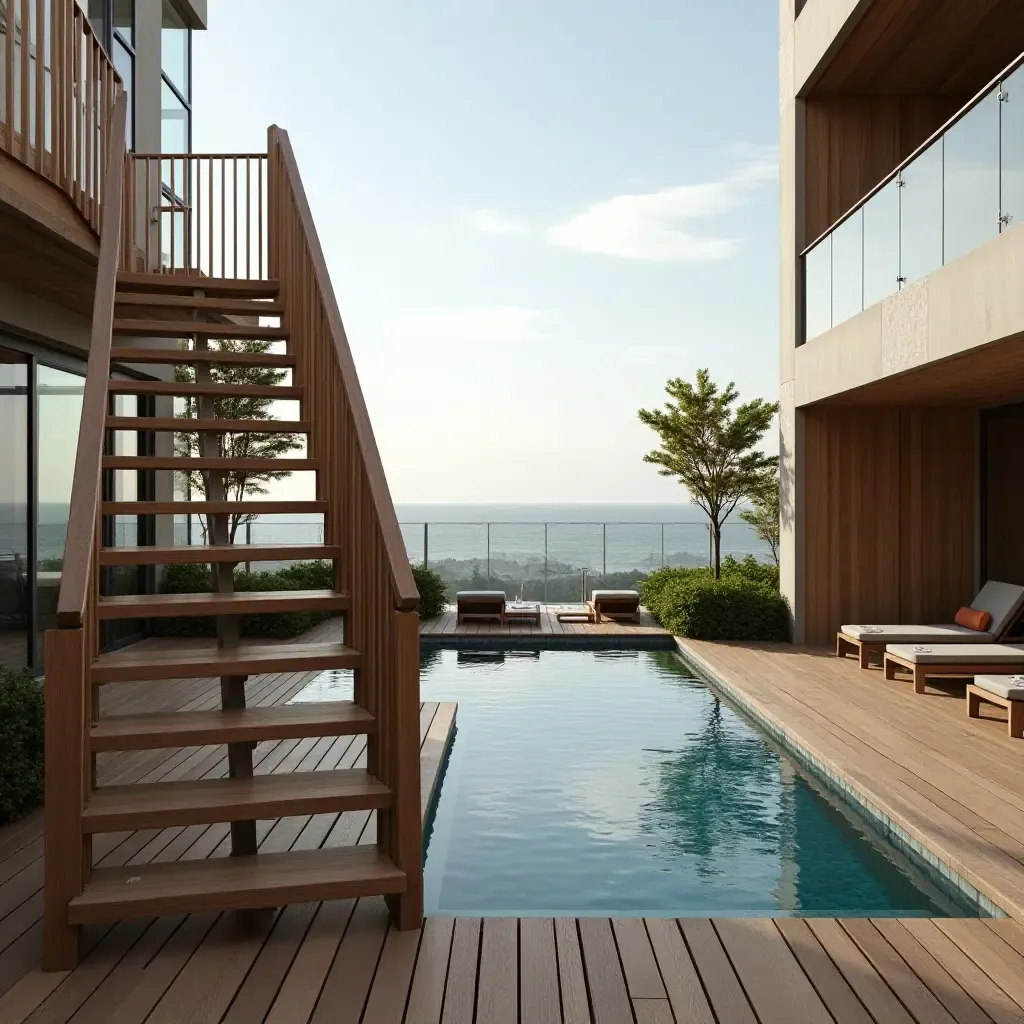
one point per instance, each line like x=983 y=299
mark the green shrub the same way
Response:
x=195 y=579
x=745 y=604
x=21 y=744
x=432 y=588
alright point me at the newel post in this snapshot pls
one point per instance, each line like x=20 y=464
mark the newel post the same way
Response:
x=67 y=850
x=406 y=822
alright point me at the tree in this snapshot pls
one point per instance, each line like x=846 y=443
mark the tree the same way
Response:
x=238 y=484
x=710 y=447
x=764 y=516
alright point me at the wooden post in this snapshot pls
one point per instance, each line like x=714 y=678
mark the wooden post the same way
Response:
x=68 y=852
x=403 y=823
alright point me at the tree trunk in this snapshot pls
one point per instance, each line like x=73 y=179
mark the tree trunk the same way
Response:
x=716 y=533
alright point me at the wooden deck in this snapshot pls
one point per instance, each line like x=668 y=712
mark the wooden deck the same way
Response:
x=342 y=961
x=550 y=633
x=955 y=785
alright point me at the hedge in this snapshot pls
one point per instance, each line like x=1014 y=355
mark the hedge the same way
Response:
x=433 y=591
x=745 y=604
x=21 y=744
x=197 y=579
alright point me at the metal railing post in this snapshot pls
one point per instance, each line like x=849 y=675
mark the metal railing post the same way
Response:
x=663 y=545
x=545 y=563
x=248 y=540
x=426 y=545
x=604 y=549
x=488 y=555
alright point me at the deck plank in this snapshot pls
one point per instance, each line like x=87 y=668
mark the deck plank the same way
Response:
x=723 y=988
x=391 y=980
x=775 y=984
x=460 y=989
x=538 y=971
x=573 y=982
x=426 y=996
x=643 y=979
x=608 y=993
x=682 y=983
x=497 y=998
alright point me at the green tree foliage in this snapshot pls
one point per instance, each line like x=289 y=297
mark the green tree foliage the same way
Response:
x=21 y=744
x=764 y=514
x=709 y=443
x=237 y=484
x=433 y=591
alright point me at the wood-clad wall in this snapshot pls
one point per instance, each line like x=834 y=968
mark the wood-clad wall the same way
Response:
x=889 y=515
x=853 y=142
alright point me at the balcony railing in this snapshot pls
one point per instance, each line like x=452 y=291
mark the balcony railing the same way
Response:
x=57 y=91
x=958 y=190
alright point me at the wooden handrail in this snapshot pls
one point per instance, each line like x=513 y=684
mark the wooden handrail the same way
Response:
x=405 y=594
x=78 y=568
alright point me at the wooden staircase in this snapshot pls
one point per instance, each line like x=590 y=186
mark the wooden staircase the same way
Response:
x=136 y=312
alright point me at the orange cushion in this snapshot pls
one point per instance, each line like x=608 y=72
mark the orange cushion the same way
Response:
x=971 y=618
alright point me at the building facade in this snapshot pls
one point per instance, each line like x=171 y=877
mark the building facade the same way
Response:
x=47 y=261
x=902 y=360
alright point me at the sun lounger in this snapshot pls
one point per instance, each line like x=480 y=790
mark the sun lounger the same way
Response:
x=479 y=605
x=615 y=604
x=952 y=661
x=1003 y=601
x=1006 y=691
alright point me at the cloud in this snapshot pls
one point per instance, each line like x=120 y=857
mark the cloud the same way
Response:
x=657 y=225
x=482 y=325
x=490 y=222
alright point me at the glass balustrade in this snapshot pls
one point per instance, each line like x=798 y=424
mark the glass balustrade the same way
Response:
x=959 y=191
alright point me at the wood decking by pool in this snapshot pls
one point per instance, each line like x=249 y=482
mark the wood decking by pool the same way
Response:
x=550 y=633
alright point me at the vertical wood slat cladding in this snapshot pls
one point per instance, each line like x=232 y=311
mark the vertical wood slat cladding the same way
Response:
x=890 y=497
x=853 y=142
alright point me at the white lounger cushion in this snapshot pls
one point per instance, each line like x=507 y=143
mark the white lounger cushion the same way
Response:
x=917 y=634
x=951 y=654
x=480 y=595
x=1010 y=687
x=1002 y=601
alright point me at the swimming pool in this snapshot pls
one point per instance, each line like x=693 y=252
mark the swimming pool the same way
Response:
x=615 y=784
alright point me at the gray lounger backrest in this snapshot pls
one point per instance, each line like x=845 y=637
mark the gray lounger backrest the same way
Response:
x=1003 y=601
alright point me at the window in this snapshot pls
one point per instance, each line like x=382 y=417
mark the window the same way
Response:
x=113 y=21
x=176 y=84
x=176 y=52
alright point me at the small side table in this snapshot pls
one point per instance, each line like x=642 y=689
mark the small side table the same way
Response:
x=521 y=611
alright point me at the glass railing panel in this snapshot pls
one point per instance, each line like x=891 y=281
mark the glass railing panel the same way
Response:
x=458 y=551
x=921 y=215
x=818 y=289
x=631 y=550
x=1011 y=126
x=740 y=539
x=687 y=544
x=882 y=244
x=575 y=559
x=848 y=268
x=971 y=180
x=412 y=537
x=517 y=560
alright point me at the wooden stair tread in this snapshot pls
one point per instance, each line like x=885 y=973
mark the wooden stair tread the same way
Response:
x=206 y=801
x=186 y=284
x=185 y=554
x=201 y=659
x=194 y=389
x=194 y=425
x=213 y=304
x=155 y=606
x=185 y=462
x=183 y=357
x=204 y=328
x=254 y=507
x=235 y=883
x=199 y=728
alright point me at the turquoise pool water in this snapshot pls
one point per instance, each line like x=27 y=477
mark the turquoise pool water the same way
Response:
x=614 y=783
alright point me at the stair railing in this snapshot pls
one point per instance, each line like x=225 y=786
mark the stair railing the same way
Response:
x=383 y=623
x=70 y=704
x=57 y=91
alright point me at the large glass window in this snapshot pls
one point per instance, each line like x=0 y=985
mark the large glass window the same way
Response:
x=15 y=589
x=176 y=52
x=58 y=410
x=174 y=122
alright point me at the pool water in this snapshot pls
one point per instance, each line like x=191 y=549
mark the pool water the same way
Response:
x=615 y=784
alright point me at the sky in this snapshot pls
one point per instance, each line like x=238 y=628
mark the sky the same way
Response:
x=533 y=213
